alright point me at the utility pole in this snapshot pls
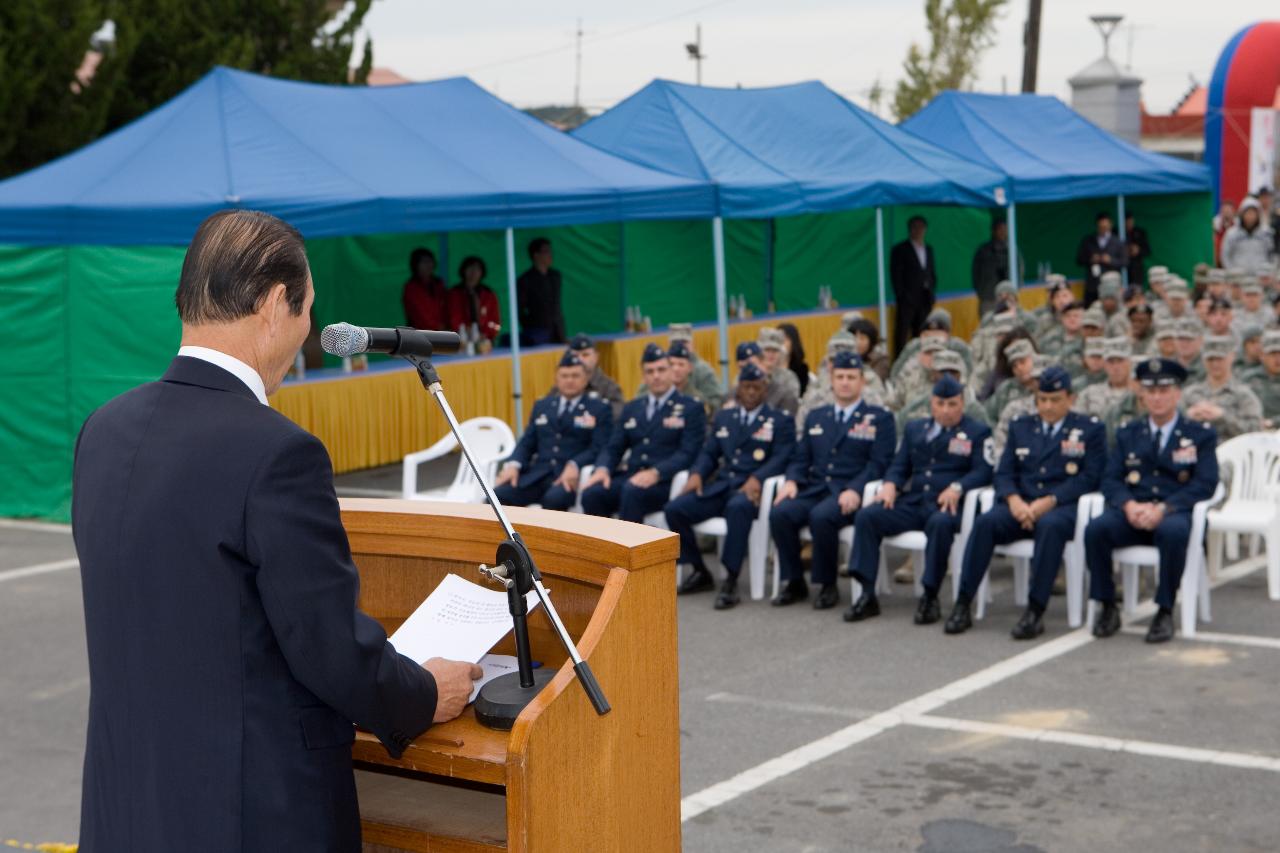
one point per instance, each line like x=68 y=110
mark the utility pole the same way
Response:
x=577 y=70
x=695 y=51
x=1031 y=46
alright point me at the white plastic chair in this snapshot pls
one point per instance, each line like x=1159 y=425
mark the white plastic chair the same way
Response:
x=1020 y=552
x=490 y=439
x=1193 y=592
x=757 y=538
x=915 y=542
x=884 y=585
x=1252 y=506
x=659 y=518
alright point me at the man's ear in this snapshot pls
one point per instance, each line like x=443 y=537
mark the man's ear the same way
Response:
x=275 y=306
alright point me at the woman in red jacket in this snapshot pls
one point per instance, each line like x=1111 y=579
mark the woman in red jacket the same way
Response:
x=424 y=293
x=473 y=302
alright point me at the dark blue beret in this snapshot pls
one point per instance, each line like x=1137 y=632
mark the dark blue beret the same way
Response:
x=1055 y=378
x=570 y=359
x=747 y=349
x=580 y=342
x=750 y=373
x=845 y=360
x=653 y=352
x=947 y=386
x=1161 y=371
x=679 y=349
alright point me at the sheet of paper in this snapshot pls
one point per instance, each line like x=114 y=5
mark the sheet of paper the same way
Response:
x=493 y=666
x=460 y=620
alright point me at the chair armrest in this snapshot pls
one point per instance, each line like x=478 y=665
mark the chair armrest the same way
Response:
x=769 y=491
x=678 y=483
x=870 y=491
x=986 y=498
x=970 y=510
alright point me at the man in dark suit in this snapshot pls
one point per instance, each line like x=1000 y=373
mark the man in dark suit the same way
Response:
x=566 y=432
x=227 y=658
x=663 y=430
x=915 y=283
x=1099 y=252
x=538 y=298
x=843 y=446
x=1161 y=467
x=749 y=443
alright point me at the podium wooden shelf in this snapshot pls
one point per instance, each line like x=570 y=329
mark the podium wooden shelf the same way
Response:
x=564 y=779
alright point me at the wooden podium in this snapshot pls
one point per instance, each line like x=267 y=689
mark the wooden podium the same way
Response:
x=564 y=779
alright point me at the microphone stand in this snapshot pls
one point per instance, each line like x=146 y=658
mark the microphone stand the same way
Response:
x=501 y=700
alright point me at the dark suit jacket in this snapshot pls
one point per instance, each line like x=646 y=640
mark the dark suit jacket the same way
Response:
x=227 y=658
x=910 y=280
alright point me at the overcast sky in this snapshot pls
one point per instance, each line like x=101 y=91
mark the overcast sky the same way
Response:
x=524 y=51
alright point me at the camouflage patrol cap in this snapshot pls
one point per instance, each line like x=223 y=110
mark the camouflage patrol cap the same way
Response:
x=1096 y=347
x=1158 y=271
x=1094 y=316
x=1116 y=348
x=841 y=341
x=1039 y=364
x=949 y=359
x=1003 y=322
x=1218 y=346
x=849 y=316
x=1176 y=288
x=939 y=319
x=1109 y=285
x=1021 y=348
x=1249 y=331
x=771 y=338
x=1271 y=340
x=931 y=345
x=680 y=332
x=1055 y=278
x=1236 y=275
x=1215 y=276
x=1187 y=327
x=1006 y=288
x=1166 y=331
x=1249 y=285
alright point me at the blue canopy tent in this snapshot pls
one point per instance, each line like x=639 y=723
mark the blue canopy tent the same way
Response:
x=786 y=150
x=1048 y=151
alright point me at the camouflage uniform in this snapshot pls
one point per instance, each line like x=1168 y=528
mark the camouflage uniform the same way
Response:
x=704 y=384
x=1266 y=387
x=600 y=385
x=918 y=407
x=985 y=341
x=1098 y=398
x=1120 y=413
x=1010 y=388
x=819 y=392
x=1016 y=407
x=1241 y=408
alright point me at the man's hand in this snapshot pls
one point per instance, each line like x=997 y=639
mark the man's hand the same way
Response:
x=887 y=495
x=1040 y=506
x=1205 y=411
x=786 y=491
x=752 y=489
x=693 y=484
x=454 y=682
x=509 y=475
x=568 y=479
x=949 y=500
x=644 y=478
x=849 y=501
x=600 y=475
x=1020 y=511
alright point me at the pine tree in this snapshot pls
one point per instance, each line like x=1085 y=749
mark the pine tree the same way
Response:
x=960 y=31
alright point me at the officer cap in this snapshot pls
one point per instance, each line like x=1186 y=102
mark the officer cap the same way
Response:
x=1096 y=318
x=1166 y=331
x=653 y=352
x=679 y=349
x=1055 y=378
x=1250 y=331
x=841 y=341
x=1095 y=346
x=580 y=342
x=1187 y=327
x=1117 y=348
x=1109 y=285
x=750 y=373
x=949 y=359
x=570 y=359
x=1218 y=346
x=680 y=332
x=748 y=349
x=947 y=387
x=1161 y=371
x=1006 y=288
x=846 y=360
x=1271 y=340
x=932 y=345
x=771 y=338
x=1021 y=348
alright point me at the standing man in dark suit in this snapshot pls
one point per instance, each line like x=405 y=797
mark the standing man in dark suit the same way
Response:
x=749 y=443
x=566 y=432
x=663 y=430
x=227 y=657
x=915 y=283
x=1099 y=252
x=538 y=298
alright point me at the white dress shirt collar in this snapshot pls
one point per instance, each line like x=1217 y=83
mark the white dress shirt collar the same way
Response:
x=1162 y=431
x=232 y=365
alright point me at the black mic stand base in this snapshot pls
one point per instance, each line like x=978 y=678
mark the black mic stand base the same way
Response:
x=501 y=700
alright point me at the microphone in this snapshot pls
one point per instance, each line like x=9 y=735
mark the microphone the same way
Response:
x=344 y=339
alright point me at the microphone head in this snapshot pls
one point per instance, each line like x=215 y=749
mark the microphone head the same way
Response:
x=344 y=339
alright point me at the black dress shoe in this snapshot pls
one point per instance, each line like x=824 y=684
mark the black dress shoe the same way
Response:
x=828 y=597
x=1108 y=621
x=928 y=610
x=698 y=581
x=865 y=607
x=960 y=620
x=1161 y=630
x=1030 y=626
x=796 y=590
x=728 y=597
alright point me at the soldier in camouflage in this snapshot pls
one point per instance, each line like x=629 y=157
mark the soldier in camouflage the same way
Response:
x=1093 y=365
x=1020 y=356
x=1176 y=303
x=985 y=342
x=945 y=362
x=1019 y=406
x=784 y=386
x=1249 y=358
x=1110 y=291
x=1189 y=336
x=1007 y=303
x=1058 y=296
x=917 y=378
x=1266 y=382
x=1142 y=331
x=598 y=383
x=819 y=392
x=1253 y=309
x=1097 y=398
x=1221 y=400
x=936 y=325
x=704 y=382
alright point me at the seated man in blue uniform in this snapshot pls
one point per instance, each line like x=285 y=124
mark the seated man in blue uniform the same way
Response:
x=1052 y=458
x=843 y=446
x=1162 y=465
x=749 y=443
x=663 y=430
x=567 y=430
x=940 y=460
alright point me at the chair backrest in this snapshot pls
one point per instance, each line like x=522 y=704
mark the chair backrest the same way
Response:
x=491 y=441
x=1254 y=460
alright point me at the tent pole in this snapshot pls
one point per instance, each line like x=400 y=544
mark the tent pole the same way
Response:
x=1124 y=270
x=722 y=299
x=622 y=274
x=1014 y=271
x=514 y=310
x=884 y=309
x=770 y=236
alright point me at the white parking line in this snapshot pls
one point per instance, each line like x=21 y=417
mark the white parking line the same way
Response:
x=40 y=569
x=1110 y=744
x=1232 y=639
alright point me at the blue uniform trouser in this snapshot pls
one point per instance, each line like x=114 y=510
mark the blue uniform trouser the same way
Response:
x=911 y=512
x=541 y=492
x=690 y=509
x=629 y=502
x=998 y=527
x=1112 y=530
x=821 y=514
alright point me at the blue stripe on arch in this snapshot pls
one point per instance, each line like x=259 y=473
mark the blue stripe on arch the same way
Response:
x=1213 y=111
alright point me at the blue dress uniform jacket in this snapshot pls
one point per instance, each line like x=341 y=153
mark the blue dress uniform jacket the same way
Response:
x=550 y=442
x=667 y=442
x=732 y=454
x=1182 y=473
x=227 y=656
x=1066 y=465
x=829 y=458
x=921 y=469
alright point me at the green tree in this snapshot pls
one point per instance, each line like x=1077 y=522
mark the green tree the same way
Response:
x=960 y=31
